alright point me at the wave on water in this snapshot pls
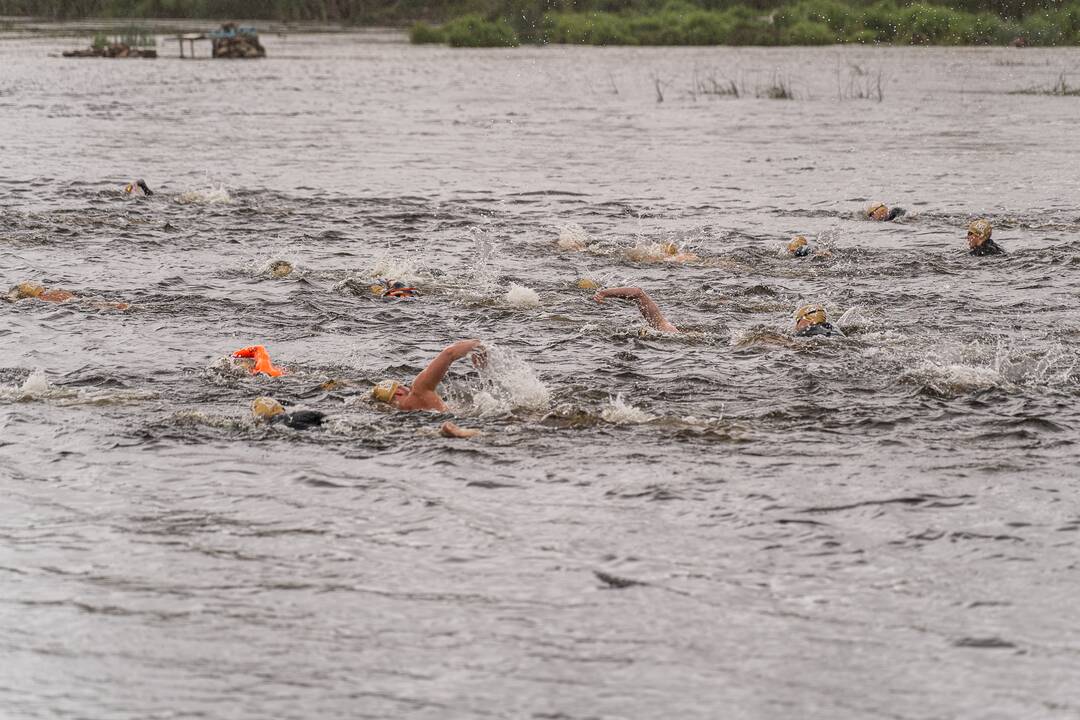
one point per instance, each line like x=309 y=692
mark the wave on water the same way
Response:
x=982 y=366
x=37 y=387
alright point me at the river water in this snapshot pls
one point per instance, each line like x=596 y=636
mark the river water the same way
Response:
x=727 y=523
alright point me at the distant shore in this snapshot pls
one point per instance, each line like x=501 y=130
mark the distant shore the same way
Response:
x=508 y=23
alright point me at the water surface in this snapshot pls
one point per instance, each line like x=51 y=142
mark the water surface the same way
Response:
x=882 y=525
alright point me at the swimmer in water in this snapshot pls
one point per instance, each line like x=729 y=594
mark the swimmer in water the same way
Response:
x=810 y=321
x=800 y=247
x=394 y=290
x=139 y=188
x=649 y=309
x=29 y=290
x=270 y=411
x=257 y=360
x=279 y=269
x=978 y=237
x=34 y=291
x=880 y=212
x=660 y=252
x=422 y=395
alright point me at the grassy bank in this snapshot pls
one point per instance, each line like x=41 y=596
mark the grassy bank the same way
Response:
x=806 y=22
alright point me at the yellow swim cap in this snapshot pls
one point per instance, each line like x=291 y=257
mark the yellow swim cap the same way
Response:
x=981 y=229
x=27 y=290
x=385 y=391
x=265 y=408
x=587 y=284
x=809 y=315
x=877 y=211
x=669 y=248
x=129 y=188
x=796 y=242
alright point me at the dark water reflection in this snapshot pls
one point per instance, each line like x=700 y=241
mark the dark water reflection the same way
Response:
x=726 y=524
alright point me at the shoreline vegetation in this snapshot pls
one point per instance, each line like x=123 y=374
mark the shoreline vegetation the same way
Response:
x=508 y=23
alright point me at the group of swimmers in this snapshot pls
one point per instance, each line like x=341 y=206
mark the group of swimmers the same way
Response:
x=422 y=394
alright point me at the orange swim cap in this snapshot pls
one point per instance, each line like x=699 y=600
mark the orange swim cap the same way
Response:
x=796 y=242
x=262 y=360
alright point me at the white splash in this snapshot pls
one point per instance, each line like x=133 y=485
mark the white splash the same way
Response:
x=572 y=237
x=509 y=383
x=620 y=412
x=521 y=296
x=400 y=268
x=944 y=379
x=210 y=196
x=35 y=386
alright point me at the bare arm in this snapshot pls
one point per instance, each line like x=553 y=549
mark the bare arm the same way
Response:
x=433 y=374
x=649 y=309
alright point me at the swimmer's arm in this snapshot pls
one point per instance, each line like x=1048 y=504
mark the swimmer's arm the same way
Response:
x=649 y=309
x=432 y=375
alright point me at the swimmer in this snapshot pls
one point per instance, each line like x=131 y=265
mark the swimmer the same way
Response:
x=138 y=188
x=394 y=290
x=34 y=291
x=257 y=360
x=810 y=321
x=270 y=411
x=29 y=290
x=279 y=269
x=649 y=309
x=422 y=394
x=881 y=213
x=800 y=247
x=660 y=252
x=979 y=241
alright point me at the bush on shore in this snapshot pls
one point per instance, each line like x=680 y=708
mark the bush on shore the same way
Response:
x=804 y=22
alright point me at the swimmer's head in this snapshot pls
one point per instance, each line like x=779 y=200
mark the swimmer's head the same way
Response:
x=808 y=316
x=669 y=248
x=878 y=211
x=587 y=284
x=798 y=246
x=26 y=290
x=265 y=408
x=387 y=391
x=979 y=231
x=280 y=268
x=394 y=289
x=139 y=187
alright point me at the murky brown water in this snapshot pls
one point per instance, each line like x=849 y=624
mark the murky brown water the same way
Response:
x=883 y=525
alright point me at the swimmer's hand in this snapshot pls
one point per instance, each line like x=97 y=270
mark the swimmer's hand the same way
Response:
x=450 y=430
x=480 y=358
x=463 y=347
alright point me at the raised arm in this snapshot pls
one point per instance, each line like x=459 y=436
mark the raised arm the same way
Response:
x=649 y=309
x=433 y=374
